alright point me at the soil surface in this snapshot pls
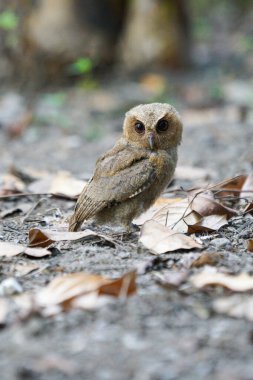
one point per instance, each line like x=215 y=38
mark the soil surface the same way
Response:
x=158 y=333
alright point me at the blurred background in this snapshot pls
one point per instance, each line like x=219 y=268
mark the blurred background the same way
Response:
x=69 y=69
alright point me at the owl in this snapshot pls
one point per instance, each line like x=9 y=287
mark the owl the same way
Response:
x=129 y=177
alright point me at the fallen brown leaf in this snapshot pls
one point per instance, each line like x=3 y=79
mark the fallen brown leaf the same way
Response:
x=247 y=188
x=160 y=239
x=238 y=283
x=69 y=291
x=236 y=306
x=62 y=183
x=250 y=245
x=204 y=204
x=44 y=238
x=176 y=216
x=171 y=280
x=209 y=258
x=23 y=207
x=10 y=184
x=248 y=208
x=24 y=269
x=208 y=223
x=9 y=249
x=231 y=186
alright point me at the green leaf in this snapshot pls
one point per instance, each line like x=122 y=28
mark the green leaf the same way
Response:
x=81 y=66
x=8 y=20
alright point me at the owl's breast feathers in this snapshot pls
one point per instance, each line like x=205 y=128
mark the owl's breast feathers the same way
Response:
x=122 y=173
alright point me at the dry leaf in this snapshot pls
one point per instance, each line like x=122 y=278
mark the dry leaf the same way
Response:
x=247 y=188
x=9 y=249
x=171 y=280
x=236 y=306
x=205 y=205
x=176 y=216
x=160 y=239
x=158 y=205
x=206 y=259
x=250 y=245
x=65 y=291
x=231 y=186
x=10 y=184
x=208 y=223
x=44 y=238
x=23 y=207
x=62 y=183
x=238 y=283
x=248 y=208
x=24 y=269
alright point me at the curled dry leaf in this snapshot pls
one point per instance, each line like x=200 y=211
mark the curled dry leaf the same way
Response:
x=250 y=245
x=70 y=290
x=208 y=223
x=238 y=283
x=208 y=258
x=44 y=238
x=247 y=188
x=236 y=306
x=158 y=206
x=160 y=239
x=177 y=216
x=231 y=186
x=9 y=249
x=204 y=204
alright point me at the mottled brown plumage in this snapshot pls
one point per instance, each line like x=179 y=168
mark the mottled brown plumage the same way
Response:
x=129 y=177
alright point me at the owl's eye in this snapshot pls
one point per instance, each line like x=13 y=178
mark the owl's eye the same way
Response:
x=162 y=125
x=139 y=127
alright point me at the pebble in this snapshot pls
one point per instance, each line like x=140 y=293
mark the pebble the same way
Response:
x=10 y=286
x=220 y=243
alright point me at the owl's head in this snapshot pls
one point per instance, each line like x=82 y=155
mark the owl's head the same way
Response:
x=153 y=126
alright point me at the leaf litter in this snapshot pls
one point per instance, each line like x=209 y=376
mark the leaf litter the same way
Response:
x=77 y=290
x=164 y=229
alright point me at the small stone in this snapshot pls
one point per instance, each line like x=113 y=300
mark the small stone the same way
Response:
x=10 y=286
x=220 y=243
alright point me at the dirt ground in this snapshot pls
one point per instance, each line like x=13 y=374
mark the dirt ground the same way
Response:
x=157 y=334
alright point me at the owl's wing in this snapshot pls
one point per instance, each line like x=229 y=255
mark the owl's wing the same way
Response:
x=109 y=188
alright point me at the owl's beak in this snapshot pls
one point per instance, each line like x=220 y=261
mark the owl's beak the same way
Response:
x=151 y=141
